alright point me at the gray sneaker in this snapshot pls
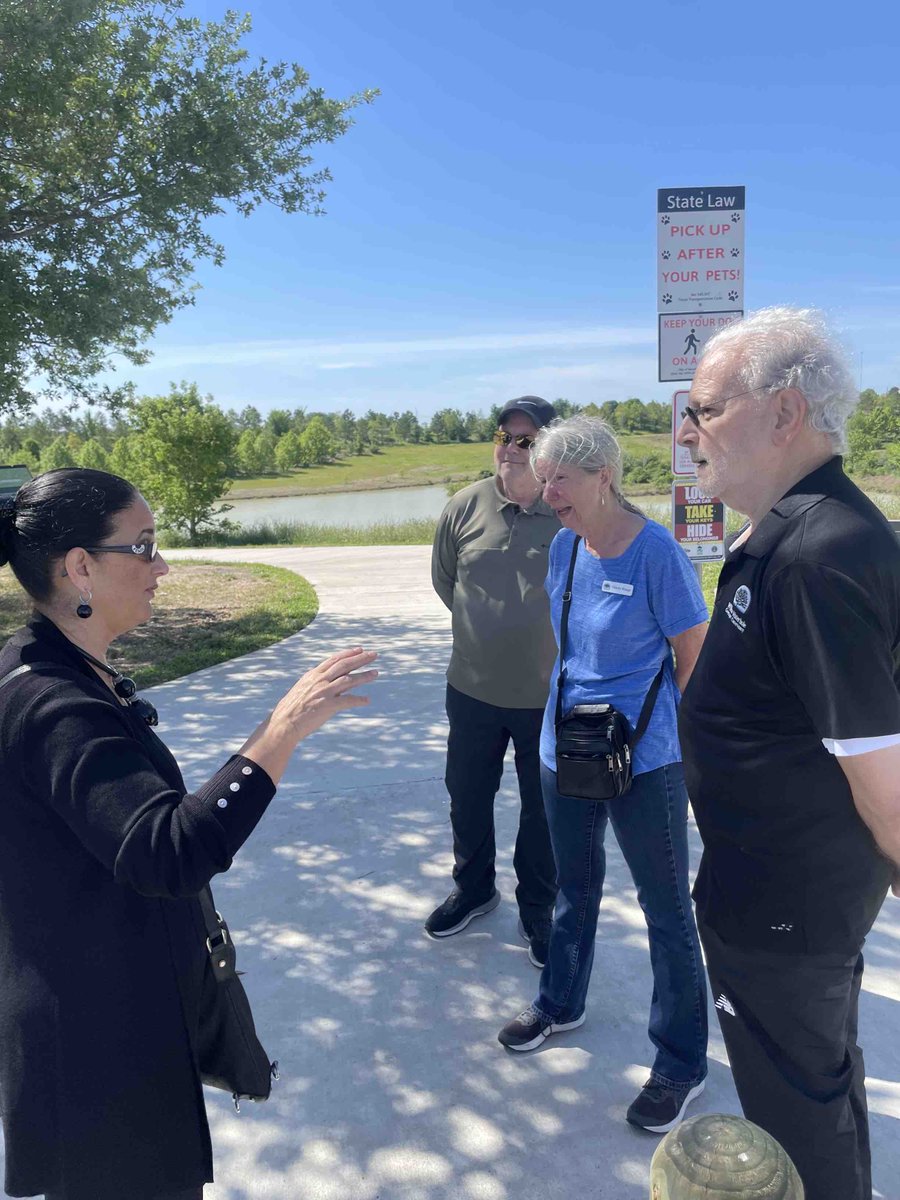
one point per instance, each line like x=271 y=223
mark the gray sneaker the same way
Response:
x=457 y=911
x=530 y=1028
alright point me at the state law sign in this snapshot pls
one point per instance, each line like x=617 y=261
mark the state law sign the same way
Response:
x=700 y=249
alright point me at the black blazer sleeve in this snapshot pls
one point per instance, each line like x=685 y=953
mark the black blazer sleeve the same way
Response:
x=81 y=755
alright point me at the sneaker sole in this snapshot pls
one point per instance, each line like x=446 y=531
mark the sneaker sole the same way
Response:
x=545 y=1033
x=536 y=962
x=692 y=1095
x=480 y=911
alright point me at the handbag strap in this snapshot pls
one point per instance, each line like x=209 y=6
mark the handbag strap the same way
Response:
x=24 y=669
x=219 y=945
x=647 y=709
x=649 y=699
x=564 y=631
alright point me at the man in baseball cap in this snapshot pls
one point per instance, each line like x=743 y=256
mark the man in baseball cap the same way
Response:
x=489 y=563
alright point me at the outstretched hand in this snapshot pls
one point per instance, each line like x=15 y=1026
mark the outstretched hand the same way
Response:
x=325 y=690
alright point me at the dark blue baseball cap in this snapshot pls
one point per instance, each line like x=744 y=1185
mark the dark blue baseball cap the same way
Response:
x=540 y=411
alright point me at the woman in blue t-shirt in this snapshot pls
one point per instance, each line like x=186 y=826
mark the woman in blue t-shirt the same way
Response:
x=635 y=598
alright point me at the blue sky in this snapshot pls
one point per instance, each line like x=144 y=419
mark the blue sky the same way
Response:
x=491 y=225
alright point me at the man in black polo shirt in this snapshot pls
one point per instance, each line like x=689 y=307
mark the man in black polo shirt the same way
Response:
x=790 y=729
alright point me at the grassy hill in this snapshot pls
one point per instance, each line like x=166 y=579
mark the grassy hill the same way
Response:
x=402 y=466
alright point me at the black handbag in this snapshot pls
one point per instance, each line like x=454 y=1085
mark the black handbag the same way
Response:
x=594 y=742
x=229 y=1053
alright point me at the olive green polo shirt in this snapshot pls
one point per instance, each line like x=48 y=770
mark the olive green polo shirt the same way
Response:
x=488 y=565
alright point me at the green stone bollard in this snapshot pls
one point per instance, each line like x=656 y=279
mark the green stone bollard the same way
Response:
x=721 y=1157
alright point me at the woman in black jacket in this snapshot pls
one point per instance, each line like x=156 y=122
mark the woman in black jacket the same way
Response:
x=103 y=852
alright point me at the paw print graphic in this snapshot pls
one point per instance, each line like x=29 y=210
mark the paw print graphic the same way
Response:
x=735 y=216
x=667 y=253
x=667 y=299
x=735 y=253
x=665 y=220
x=732 y=295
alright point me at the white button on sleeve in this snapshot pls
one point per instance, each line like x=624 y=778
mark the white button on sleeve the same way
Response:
x=235 y=787
x=222 y=802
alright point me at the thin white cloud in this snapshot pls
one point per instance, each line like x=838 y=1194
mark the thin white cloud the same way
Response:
x=343 y=366
x=372 y=354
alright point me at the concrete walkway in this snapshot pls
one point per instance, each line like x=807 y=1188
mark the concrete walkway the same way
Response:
x=394 y=1086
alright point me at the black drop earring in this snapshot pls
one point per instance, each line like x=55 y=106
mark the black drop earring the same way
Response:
x=84 y=608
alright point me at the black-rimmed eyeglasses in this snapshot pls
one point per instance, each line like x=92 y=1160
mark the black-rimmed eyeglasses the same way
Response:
x=705 y=411
x=522 y=440
x=145 y=550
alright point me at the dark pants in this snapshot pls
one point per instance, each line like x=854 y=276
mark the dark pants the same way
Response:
x=479 y=736
x=790 y=1022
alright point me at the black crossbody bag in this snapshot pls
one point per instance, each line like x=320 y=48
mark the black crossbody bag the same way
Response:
x=594 y=742
x=229 y=1052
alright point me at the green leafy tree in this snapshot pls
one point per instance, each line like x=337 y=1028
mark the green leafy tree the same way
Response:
x=873 y=433
x=363 y=441
x=123 y=457
x=249 y=418
x=630 y=416
x=447 y=425
x=57 y=454
x=380 y=433
x=279 y=421
x=316 y=443
x=265 y=449
x=247 y=454
x=654 y=468
x=658 y=416
x=93 y=455
x=180 y=457
x=406 y=427
x=345 y=430
x=126 y=125
x=288 y=452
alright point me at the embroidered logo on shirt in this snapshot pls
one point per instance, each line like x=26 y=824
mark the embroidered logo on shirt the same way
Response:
x=725 y=1005
x=618 y=589
x=739 y=604
x=742 y=598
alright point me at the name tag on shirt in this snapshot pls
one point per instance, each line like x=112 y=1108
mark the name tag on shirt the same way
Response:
x=618 y=589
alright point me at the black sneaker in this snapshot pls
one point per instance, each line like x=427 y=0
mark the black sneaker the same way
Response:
x=537 y=935
x=457 y=911
x=659 y=1108
x=530 y=1028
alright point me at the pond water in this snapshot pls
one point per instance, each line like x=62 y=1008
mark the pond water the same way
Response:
x=343 y=508
x=370 y=508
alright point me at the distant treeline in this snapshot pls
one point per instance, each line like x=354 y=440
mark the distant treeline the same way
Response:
x=248 y=444
x=282 y=440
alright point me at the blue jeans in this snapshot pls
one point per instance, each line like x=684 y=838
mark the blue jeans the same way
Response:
x=650 y=824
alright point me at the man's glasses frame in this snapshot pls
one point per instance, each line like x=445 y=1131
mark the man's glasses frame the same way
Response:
x=706 y=410
x=522 y=440
x=145 y=550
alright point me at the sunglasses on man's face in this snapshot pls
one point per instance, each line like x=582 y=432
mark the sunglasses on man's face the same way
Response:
x=522 y=440
x=145 y=550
